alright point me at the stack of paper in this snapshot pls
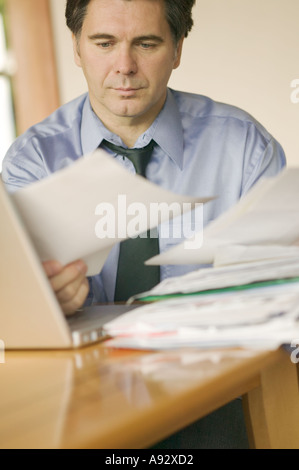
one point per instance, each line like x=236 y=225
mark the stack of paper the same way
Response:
x=240 y=276
x=263 y=318
x=250 y=297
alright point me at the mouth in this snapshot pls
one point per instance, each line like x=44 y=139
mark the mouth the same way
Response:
x=127 y=91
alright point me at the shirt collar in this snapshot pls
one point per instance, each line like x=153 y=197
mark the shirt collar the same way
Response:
x=166 y=130
x=93 y=130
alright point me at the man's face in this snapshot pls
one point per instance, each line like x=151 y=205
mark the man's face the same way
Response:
x=127 y=54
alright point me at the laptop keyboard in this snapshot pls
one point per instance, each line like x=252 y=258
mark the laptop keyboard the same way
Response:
x=86 y=325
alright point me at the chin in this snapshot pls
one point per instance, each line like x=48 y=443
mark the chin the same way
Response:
x=129 y=111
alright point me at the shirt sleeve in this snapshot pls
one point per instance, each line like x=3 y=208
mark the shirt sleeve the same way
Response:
x=23 y=164
x=264 y=157
x=96 y=290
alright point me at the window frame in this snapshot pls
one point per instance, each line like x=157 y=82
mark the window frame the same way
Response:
x=35 y=82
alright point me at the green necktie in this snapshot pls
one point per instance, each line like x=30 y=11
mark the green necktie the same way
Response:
x=133 y=276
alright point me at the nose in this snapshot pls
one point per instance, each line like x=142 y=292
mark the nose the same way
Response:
x=125 y=62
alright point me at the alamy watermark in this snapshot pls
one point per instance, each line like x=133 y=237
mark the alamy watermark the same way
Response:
x=176 y=221
x=295 y=352
x=295 y=93
x=2 y=352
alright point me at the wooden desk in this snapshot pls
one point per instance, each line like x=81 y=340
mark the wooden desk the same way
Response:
x=102 y=398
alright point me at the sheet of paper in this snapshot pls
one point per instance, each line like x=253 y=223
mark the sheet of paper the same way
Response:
x=282 y=269
x=261 y=318
x=236 y=254
x=65 y=212
x=267 y=215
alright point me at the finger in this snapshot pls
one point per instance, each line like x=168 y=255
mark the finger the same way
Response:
x=76 y=302
x=52 y=268
x=68 y=275
x=68 y=292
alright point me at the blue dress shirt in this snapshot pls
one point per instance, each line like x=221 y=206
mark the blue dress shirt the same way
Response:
x=204 y=148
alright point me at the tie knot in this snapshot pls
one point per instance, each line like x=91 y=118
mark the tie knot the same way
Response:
x=139 y=157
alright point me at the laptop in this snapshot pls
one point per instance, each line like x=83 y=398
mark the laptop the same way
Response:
x=30 y=316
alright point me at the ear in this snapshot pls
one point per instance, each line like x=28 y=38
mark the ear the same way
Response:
x=76 y=50
x=178 y=53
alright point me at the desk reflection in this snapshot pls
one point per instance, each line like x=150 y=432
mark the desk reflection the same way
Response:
x=97 y=397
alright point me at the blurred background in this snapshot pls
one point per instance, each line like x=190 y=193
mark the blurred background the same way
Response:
x=242 y=52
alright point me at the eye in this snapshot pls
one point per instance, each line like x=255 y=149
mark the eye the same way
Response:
x=104 y=45
x=147 y=45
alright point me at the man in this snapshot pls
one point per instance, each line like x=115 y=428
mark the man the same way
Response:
x=127 y=50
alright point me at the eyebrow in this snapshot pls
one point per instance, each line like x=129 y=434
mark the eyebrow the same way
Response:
x=149 y=37
x=100 y=36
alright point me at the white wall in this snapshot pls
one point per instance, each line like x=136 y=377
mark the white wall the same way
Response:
x=243 y=52
x=71 y=79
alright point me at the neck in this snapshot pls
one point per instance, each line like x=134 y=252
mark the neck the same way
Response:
x=128 y=128
x=128 y=132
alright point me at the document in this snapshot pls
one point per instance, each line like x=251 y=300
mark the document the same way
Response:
x=241 y=276
x=82 y=211
x=262 y=318
x=248 y=298
x=267 y=216
x=236 y=254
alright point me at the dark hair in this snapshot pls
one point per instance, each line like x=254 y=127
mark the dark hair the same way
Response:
x=178 y=15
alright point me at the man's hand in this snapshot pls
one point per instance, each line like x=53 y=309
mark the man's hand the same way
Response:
x=69 y=284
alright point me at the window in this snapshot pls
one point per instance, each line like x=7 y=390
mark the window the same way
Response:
x=26 y=26
x=7 y=122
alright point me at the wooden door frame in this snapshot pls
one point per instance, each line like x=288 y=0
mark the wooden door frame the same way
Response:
x=35 y=82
